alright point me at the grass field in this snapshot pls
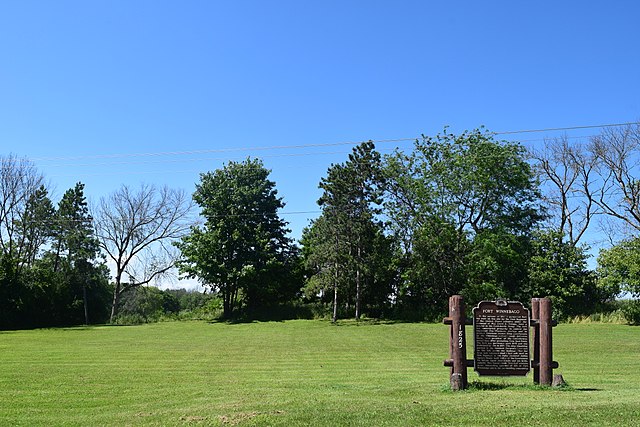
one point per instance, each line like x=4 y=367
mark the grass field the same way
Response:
x=301 y=373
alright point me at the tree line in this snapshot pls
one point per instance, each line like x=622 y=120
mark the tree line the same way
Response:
x=397 y=235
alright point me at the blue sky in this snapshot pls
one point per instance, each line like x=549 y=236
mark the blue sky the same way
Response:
x=124 y=92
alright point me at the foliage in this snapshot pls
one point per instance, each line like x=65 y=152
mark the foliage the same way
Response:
x=148 y=304
x=558 y=269
x=242 y=250
x=456 y=214
x=50 y=269
x=631 y=311
x=346 y=252
x=619 y=267
x=462 y=208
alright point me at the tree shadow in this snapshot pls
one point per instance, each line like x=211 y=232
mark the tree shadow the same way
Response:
x=496 y=386
x=243 y=321
x=369 y=322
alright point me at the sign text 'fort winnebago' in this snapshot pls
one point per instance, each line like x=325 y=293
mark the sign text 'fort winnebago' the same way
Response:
x=501 y=338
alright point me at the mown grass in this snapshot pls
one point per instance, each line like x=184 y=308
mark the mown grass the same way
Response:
x=301 y=373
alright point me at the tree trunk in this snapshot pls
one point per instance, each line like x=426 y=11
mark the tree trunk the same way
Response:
x=335 y=301
x=358 y=293
x=226 y=302
x=358 y=284
x=114 y=304
x=86 y=306
x=116 y=298
x=335 y=283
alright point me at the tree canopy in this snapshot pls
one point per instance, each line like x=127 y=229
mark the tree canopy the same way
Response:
x=397 y=235
x=242 y=250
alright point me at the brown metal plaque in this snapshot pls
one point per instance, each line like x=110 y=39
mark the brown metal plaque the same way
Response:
x=501 y=338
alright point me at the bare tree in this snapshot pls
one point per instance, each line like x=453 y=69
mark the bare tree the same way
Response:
x=569 y=171
x=136 y=229
x=617 y=151
x=21 y=230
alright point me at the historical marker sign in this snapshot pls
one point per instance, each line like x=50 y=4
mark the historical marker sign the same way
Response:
x=501 y=338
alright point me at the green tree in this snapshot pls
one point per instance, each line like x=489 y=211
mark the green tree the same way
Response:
x=464 y=205
x=24 y=214
x=77 y=250
x=21 y=187
x=35 y=226
x=342 y=243
x=243 y=241
x=558 y=269
x=324 y=253
x=619 y=268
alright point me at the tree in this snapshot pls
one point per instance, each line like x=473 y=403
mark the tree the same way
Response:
x=344 y=239
x=324 y=252
x=568 y=173
x=464 y=205
x=619 y=273
x=22 y=211
x=136 y=230
x=616 y=151
x=35 y=226
x=558 y=269
x=23 y=219
x=74 y=234
x=619 y=267
x=243 y=241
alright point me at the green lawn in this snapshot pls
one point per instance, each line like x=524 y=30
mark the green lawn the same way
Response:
x=301 y=373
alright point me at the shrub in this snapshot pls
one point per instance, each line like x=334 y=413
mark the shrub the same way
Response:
x=631 y=310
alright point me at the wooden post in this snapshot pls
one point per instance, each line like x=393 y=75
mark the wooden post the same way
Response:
x=458 y=343
x=535 y=316
x=546 y=349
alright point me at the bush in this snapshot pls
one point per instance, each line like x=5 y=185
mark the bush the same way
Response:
x=616 y=317
x=130 y=319
x=631 y=310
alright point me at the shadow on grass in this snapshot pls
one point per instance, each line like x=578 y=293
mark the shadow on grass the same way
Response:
x=475 y=386
x=244 y=321
x=339 y=323
x=98 y=326
x=368 y=322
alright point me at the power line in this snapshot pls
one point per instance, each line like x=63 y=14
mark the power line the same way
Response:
x=217 y=150
x=63 y=221
x=565 y=128
x=204 y=159
x=304 y=146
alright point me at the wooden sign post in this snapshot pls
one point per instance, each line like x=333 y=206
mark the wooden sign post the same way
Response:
x=458 y=343
x=501 y=340
x=546 y=346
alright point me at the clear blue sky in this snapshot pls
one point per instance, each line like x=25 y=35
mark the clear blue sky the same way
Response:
x=87 y=86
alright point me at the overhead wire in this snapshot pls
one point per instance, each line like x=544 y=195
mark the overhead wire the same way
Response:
x=306 y=146
x=217 y=150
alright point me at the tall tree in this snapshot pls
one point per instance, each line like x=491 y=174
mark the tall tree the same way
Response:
x=21 y=187
x=616 y=151
x=74 y=234
x=23 y=220
x=342 y=239
x=468 y=194
x=136 y=229
x=326 y=257
x=243 y=240
x=35 y=226
x=567 y=173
